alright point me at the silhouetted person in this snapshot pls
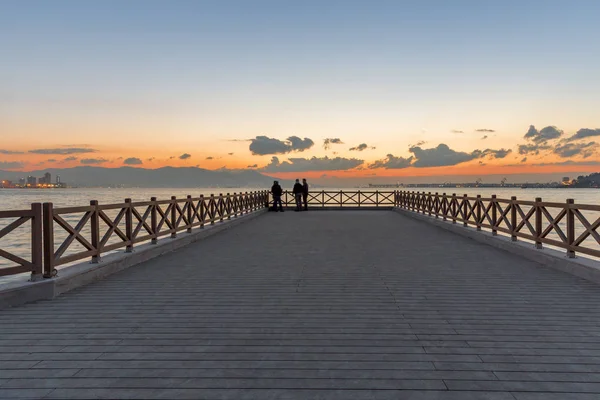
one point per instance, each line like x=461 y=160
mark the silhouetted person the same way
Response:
x=298 y=190
x=277 y=191
x=305 y=194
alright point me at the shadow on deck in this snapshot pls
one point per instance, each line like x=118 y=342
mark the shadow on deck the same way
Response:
x=327 y=305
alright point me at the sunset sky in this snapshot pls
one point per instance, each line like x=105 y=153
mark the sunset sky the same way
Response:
x=346 y=88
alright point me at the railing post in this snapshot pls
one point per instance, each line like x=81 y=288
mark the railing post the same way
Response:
x=173 y=217
x=341 y=201
x=436 y=205
x=129 y=226
x=538 y=222
x=95 y=231
x=48 y=233
x=453 y=208
x=570 y=228
x=444 y=206
x=212 y=207
x=494 y=215
x=429 y=199
x=478 y=212
x=202 y=211
x=323 y=198
x=221 y=207
x=235 y=204
x=513 y=218
x=190 y=214
x=154 y=221
x=36 y=243
x=377 y=198
x=465 y=210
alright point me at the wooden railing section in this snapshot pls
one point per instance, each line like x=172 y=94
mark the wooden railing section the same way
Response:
x=562 y=225
x=64 y=235
x=343 y=198
x=33 y=217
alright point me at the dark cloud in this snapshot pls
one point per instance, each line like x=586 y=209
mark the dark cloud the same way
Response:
x=524 y=159
x=485 y=130
x=11 y=164
x=584 y=133
x=312 y=164
x=93 y=161
x=72 y=158
x=132 y=161
x=64 y=151
x=360 y=147
x=419 y=143
x=263 y=145
x=230 y=154
x=456 y=131
x=441 y=156
x=184 y=156
x=392 y=162
x=533 y=149
x=252 y=166
x=576 y=149
x=484 y=137
x=11 y=152
x=544 y=135
x=210 y=158
x=501 y=153
x=328 y=142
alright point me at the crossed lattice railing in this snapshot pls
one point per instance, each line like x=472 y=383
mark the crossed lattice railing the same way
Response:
x=343 y=198
x=63 y=235
x=562 y=225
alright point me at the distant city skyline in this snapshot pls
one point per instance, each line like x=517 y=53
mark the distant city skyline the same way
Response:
x=325 y=90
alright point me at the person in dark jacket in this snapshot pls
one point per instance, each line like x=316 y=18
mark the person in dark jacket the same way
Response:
x=298 y=190
x=305 y=194
x=277 y=191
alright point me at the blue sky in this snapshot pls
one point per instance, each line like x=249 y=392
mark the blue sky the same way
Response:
x=389 y=71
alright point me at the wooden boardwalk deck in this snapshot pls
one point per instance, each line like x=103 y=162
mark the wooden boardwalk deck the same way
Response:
x=318 y=305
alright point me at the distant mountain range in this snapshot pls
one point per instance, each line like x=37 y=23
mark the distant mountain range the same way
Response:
x=141 y=177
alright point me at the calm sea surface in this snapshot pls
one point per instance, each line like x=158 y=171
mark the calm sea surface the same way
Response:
x=18 y=241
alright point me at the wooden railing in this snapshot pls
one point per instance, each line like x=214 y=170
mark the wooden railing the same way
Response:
x=63 y=235
x=563 y=225
x=33 y=217
x=339 y=198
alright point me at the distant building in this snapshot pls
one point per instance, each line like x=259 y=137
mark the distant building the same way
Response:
x=22 y=182
x=58 y=179
x=47 y=178
x=6 y=184
x=566 y=180
x=31 y=181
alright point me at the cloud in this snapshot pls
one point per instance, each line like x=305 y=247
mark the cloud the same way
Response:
x=584 y=133
x=392 y=162
x=328 y=142
x=419 y=143
x=184 y=156
x=567 y=163
x=230 y=154
x=501 y=153
x=524 y=159
x=485 y=130
x=544 y=135
x=360 y=147
x=312 y=164
x=456 y=131
x=172 y=157
x=11 y=164
x=72 y=158
x=484 y=137
x=11 y=152
x=440 y=156
x=93 y=161
x=51 y=160
x=210 y=158
x=263 y=145
x=132 y=161
x=64 y=151
x=576 y=149
x=252 y=166
x=533 y=149
x=151 y=159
